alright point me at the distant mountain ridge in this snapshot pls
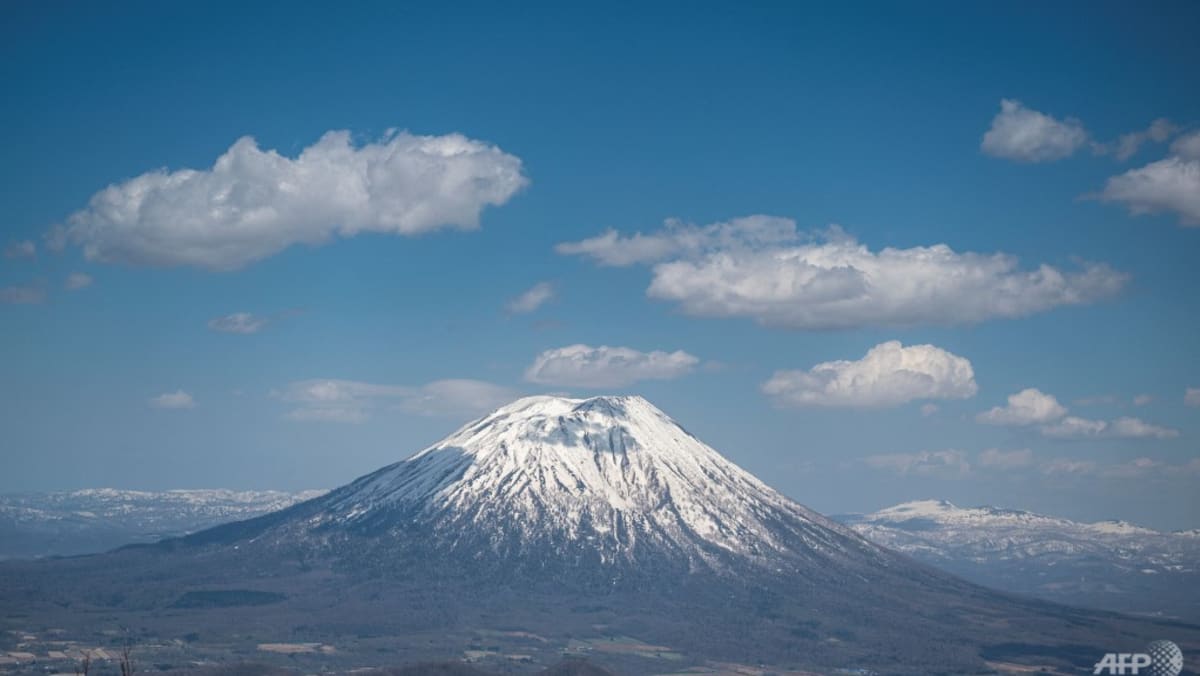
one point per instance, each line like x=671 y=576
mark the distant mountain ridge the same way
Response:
x=94 y=520
x=1108 y=564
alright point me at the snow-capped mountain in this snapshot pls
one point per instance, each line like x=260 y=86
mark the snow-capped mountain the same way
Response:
x=612 y=477
x=1109 y=564
x=563 y=518
x=85 y=521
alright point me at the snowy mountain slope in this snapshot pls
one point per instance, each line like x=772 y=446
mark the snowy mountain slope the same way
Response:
x=611 y=475
x=1109 y=564
x=92 y=520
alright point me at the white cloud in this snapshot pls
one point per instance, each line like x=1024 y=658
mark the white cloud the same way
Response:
x=350 y=401
x=55 y=238
x=1142 y=399
x=1136 y=428
x=994 y=458
x=22 y=249
x=76 y=281
x=455 y=397
x=1188 y=146
x=1034 y=407
x=1027 y=407
x=1159 y=131
x=1026 y=135
x=928 y=409
x=1138 y=467
x=1191 y=396
x=1170 y=184
x=1023 y=134
x=889 y=375
x=532 y=299
x=30 y=294
x=762 y=268
x=612 y=249
x=253 y=203
x=173 y=400
x=942 y=464
x=678 y=239
x=1072 y=427
x=1068 y=466
x=597 y=367
x=238 y=322
x=1132 y=469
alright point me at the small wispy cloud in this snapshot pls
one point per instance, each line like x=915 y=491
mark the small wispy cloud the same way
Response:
x=1138 y=468
x=76 y=281
x=596 y=367
x=948 y=464
x=1191 y=396
x=1027 y=407
x=238 y=322
x=29 y=294
x=20 y=249
x=1026 y=135
x=1068 y=466
x=1171 y=184
x=532 y=299
x=247 y=323
x=173 y=400
x=994 y=458
x=354 y=402
x=1031 y=407
x=951 y=463
x=1023 y=134
x=1158 y=132
x=1072 y=427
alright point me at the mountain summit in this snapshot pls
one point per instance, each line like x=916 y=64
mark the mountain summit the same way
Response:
x=608 y=478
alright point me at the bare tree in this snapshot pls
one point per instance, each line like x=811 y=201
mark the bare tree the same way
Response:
x=85 y=664
x=127 y=660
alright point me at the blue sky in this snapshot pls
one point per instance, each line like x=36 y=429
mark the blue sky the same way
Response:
x=549 y=125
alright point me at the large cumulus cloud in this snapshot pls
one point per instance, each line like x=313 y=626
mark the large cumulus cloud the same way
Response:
x=253 y=203
x=762 y=268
